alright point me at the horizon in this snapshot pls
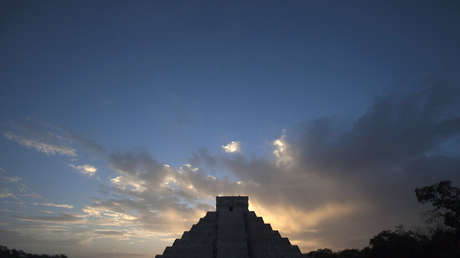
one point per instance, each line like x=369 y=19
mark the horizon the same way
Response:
x=121 y=122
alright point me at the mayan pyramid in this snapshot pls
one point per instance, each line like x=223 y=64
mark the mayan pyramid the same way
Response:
x=232 y=231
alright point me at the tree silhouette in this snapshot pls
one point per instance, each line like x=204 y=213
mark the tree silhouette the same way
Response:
x=321 y=253
x=445 y=199
x=7 y=253
x=397 y=243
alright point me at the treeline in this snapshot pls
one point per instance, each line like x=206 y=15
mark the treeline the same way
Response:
x=441 y=241
x=13 y=253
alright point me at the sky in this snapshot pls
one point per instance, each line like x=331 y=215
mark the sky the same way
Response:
x=121 y=121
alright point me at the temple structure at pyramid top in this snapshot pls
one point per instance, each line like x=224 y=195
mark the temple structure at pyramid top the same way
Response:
x=232 y=231
x=232 y=203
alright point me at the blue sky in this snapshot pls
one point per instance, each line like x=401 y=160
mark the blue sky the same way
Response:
x=125 y=88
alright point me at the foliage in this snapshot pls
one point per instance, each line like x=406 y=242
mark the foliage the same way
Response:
x=321 y=253
x=445 y=199
x=397 y=243
x=13 y=253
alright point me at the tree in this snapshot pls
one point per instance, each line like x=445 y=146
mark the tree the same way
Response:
x=445 y=199
x=349 y=253
x=397 y=243
x=7 y=253
x=321 y=253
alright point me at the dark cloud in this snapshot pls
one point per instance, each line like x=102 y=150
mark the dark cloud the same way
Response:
x=394 y=130
x=392 y=148
x=138 y=164
x=203 y=158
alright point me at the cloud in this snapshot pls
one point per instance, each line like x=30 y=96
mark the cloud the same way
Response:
x=110 y=232
x=37 y=238
x=156 y=197
x=13 y=179
x=6 y=195
x=15 y=188
x=50 y=204
x=85 y=169
x=282 y=151
x=202 y=158
x=87 y=143
x=57 y=219
x=41 y=146
x=125 y=182
x=10 y=179
x=231 y=147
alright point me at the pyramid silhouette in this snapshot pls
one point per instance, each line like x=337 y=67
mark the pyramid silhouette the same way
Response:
x=232 y=231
